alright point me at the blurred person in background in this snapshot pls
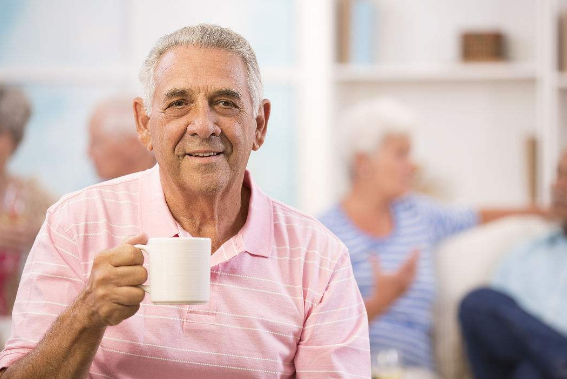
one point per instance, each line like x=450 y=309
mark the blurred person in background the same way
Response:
x=391 y=232
x=22 y=201
x=517 y=328
x=114 y=147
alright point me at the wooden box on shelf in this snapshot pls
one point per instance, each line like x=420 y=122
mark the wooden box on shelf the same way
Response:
x=482 y=46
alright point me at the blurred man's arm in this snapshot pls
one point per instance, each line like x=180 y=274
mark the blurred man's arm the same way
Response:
x=488 y=215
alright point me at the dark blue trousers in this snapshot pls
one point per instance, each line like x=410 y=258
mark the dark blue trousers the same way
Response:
x=504 y=341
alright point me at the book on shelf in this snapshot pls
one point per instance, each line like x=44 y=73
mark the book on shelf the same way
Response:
x=531 y=161
x=356 y=31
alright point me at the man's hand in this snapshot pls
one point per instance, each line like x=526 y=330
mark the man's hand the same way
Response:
x=390 y=286
x=17 y=237
x=112 y=295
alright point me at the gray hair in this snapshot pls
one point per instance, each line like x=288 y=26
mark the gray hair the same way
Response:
x=364 y=126
x=115 y=115
x=207 y=36
x=15 y=111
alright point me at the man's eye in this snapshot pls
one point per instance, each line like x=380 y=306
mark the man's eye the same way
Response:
x=176 y=104
x=226 y=104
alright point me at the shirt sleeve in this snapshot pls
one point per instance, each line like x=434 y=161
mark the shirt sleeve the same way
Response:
x=446 y=220
x=334 y=341
x=52 y=277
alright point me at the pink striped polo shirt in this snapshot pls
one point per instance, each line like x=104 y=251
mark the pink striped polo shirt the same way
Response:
x=284 y=303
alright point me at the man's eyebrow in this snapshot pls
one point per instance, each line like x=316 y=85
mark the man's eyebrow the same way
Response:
x=177 y=92
x=228 y=93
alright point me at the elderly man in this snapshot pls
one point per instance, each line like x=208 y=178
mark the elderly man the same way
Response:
x=283 y=300
x=518 y=327
x=113 y=143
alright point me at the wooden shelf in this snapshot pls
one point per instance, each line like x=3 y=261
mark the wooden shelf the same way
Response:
x=457 y=73
x=117 y=75
x=67 y=75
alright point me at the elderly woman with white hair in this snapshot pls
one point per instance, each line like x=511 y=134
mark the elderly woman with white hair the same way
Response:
x=22 y=201
x=391 y=232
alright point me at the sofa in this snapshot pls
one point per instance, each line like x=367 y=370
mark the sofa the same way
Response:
x=464 y=262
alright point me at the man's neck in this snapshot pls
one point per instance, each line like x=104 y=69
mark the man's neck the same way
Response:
x=218 y=217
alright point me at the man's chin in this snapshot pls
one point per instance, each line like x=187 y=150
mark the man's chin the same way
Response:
x=207 y=184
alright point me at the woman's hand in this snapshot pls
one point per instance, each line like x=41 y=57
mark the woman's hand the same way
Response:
x=390 y=286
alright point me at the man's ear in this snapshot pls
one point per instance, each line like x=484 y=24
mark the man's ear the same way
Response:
x=262 y=124
x=142 y=123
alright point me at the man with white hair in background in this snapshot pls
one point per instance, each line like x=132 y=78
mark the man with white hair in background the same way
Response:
x=283 y=301
x=114 y=147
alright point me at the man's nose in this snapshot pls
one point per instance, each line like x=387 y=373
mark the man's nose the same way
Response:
x=203 y=122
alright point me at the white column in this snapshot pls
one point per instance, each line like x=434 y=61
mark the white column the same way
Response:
x=315 y=41
x=547 y=128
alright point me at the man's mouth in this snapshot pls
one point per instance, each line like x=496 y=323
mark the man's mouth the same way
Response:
x=203 y=155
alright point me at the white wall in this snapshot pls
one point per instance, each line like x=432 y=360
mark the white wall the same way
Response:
x=470 y=138
x=471 y=135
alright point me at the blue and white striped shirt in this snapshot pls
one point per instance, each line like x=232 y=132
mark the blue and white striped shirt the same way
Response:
x=419 y=223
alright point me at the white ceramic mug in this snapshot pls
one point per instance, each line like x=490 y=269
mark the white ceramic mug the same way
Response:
x=180 y=270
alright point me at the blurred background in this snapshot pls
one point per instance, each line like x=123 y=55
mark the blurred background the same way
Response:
x=484 y=78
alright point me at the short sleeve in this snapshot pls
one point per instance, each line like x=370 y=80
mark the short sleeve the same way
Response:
x=511 y=268
x=334 y=341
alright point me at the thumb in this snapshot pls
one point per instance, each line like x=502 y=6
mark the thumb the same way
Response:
x=141 y=238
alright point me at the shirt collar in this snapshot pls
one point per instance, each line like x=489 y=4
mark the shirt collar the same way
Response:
x=258 y=231
x=156 y=220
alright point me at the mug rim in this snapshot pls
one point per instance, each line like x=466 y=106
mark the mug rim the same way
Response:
x=197 y=239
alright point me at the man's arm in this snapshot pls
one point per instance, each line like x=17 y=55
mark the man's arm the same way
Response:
x=110 y=296
x=489 y=215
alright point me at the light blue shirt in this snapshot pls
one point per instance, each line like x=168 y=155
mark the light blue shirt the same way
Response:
x=535 y=275
x=419 y=223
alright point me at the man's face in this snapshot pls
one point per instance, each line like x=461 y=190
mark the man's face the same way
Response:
x=109 y=153
x=202 y=126
x=102 y=150
x=559 y=190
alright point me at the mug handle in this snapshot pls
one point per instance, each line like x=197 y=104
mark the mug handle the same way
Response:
x=145 y=287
